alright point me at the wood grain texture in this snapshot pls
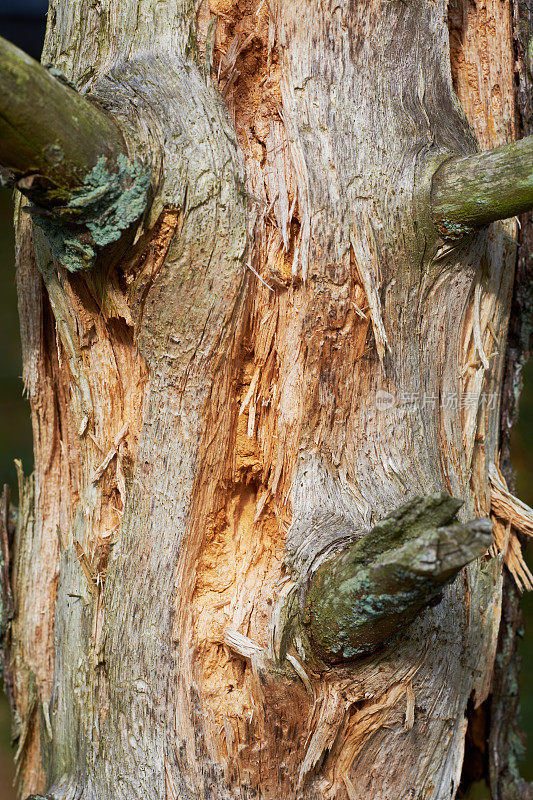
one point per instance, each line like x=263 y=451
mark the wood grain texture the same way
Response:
x=296 y=353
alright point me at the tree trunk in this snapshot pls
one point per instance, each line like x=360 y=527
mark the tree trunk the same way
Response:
x=289 y=347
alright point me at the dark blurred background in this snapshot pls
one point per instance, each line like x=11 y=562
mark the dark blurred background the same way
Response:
x=23 y=23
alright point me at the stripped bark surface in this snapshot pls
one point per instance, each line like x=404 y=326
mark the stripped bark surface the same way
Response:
x=286 y=352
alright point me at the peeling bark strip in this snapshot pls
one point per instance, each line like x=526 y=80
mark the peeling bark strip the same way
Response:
x=472 y=191
x=209 y=442
x=6 y=594
x=360 y=599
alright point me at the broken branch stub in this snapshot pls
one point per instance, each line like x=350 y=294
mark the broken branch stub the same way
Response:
x=50 y=136
x=471 y=191
x=68 y=157
x=361 y=598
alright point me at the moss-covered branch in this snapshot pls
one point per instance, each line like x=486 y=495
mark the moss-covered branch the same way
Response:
x=361 y=598
x=69 y=158
x=50 y=136
x=471 y=191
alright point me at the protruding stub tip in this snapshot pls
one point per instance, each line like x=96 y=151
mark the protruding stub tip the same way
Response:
x=441 y=553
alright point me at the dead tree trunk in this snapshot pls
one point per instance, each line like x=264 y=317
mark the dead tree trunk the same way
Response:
x=264 y=321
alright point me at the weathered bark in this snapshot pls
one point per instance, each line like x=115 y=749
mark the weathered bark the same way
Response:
x=505 y=738
x=279 y=354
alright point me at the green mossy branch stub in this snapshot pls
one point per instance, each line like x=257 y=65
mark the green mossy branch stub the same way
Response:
x=97 y=213
x=472 y=191
x=360 y=599
x=68 y=157
x=50 y=135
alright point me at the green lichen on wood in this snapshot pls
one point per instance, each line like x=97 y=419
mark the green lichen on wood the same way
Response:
x=360 y=599
x=108 y=203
